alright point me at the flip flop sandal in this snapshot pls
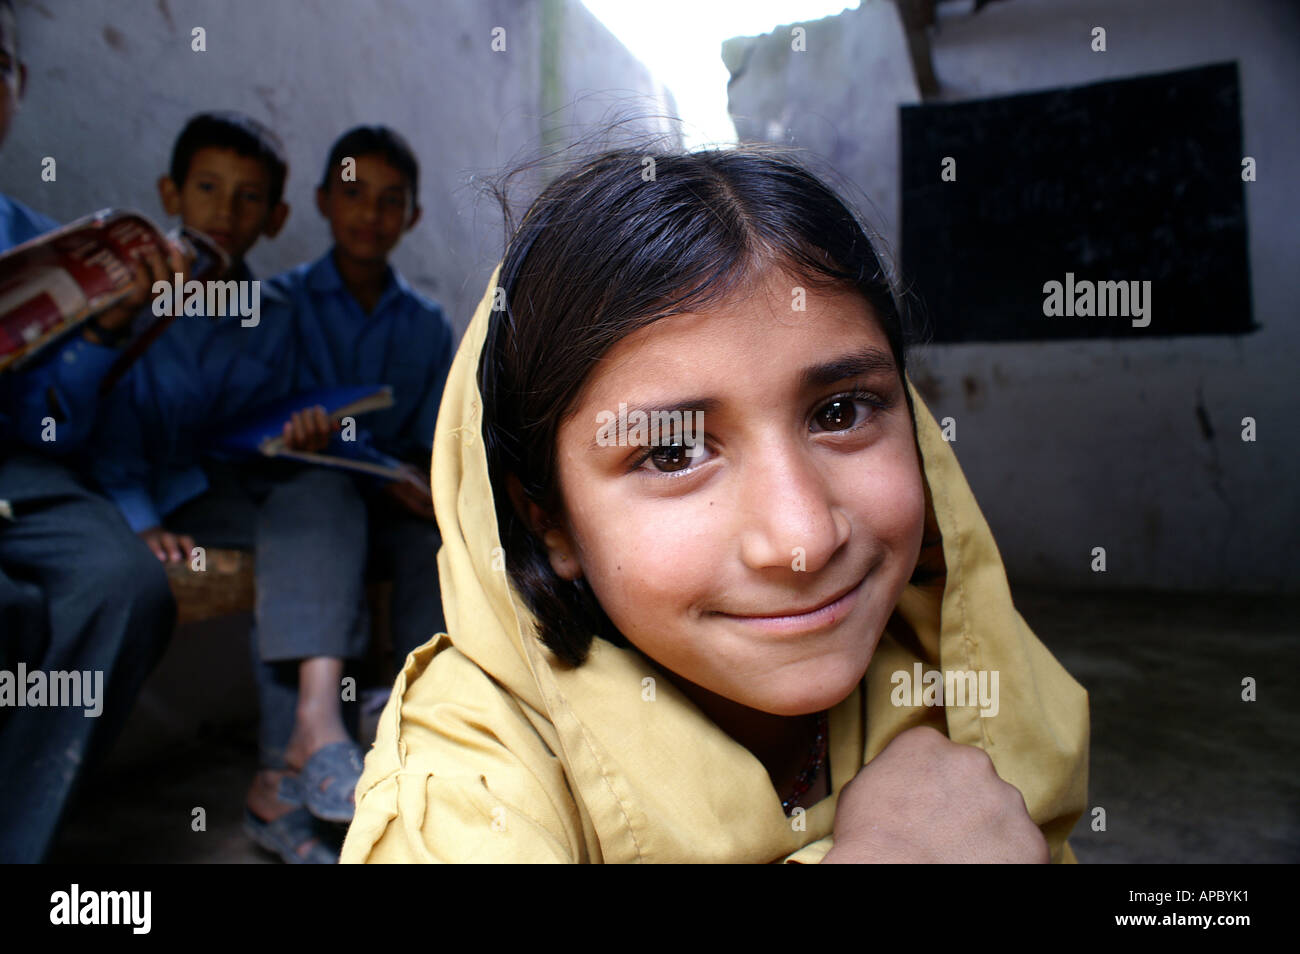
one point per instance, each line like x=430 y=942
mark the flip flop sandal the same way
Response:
x=286 y=835
x=329 y=781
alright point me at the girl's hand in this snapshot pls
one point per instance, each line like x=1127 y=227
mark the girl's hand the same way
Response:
x=927 y=799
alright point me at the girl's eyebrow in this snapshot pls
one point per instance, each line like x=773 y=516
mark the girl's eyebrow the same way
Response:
x=867 y=361
x=703 y=405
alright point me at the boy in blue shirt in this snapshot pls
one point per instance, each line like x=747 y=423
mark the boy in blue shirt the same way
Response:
x=355 y=319
x=309 y=526
x=79 y=594
x=226 y=178
x=349 y=318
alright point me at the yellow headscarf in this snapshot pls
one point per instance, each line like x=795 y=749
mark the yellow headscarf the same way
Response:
x=491 y=749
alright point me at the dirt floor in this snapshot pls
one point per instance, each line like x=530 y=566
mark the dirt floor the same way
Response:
x=1185 y=770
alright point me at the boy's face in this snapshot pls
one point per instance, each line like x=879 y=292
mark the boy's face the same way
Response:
x=226 y=196
x=13 y=74
x=764 y=568
x=368 y=216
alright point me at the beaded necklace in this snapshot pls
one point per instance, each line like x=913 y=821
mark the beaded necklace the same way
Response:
x=816 y=758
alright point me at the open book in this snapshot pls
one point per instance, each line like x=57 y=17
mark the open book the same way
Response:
x=262 y=432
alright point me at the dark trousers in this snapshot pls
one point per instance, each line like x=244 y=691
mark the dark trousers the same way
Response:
x=317 y=535
x=79 y=592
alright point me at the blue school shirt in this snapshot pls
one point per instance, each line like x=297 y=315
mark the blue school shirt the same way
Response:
x=406 y=343
x=193 y=380
x=64 y=383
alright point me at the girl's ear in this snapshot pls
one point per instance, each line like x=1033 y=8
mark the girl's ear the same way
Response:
x=562 y=554
x=560 y=548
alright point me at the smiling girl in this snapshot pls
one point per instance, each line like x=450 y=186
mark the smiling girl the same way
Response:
x=680 y=647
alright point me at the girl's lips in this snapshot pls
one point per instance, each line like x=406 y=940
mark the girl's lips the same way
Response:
x=806 y=621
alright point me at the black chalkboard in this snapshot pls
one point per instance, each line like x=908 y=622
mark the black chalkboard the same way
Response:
x=1128 y=180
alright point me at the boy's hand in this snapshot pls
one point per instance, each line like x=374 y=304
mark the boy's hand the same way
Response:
x=168 y=546
x=413 y=493
x=309 y=430
x=152 y=268
x=926 y=799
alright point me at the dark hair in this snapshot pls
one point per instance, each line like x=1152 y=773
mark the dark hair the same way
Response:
x=604 y=251
x=375 y=141
x=13 y=15
x=230 y=130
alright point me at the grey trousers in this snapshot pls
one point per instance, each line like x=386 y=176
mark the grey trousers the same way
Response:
x=318 y=535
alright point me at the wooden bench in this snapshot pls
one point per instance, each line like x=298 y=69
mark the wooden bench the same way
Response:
x=226 y=588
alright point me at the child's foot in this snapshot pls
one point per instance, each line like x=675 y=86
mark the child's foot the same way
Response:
x=274 y=824
x=308 y=739
x=329 y=766
x=264 y=796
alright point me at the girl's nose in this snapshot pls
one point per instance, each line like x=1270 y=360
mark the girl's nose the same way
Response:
x=790 y=515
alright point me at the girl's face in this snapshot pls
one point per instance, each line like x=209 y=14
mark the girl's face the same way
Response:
x=763 y=565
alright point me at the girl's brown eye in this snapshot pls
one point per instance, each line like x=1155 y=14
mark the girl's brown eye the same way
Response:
x=837 y=415
x=670 y=458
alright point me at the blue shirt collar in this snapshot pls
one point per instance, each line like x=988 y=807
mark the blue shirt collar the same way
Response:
x=323 y=276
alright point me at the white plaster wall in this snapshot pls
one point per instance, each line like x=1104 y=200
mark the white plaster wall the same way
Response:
x=1077 y=444
x=111 y=85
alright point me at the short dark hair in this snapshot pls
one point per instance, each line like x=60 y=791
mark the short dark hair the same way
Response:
x=230 y=130
x=602 y=252
x=13 y=15
x=375 y=141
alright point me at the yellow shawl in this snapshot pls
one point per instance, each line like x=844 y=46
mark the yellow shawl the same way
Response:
x=490 y=749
